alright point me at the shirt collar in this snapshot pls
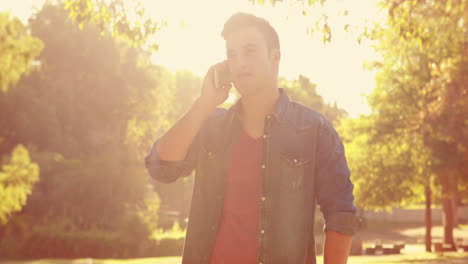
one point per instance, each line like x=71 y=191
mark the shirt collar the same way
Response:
x=278 y=113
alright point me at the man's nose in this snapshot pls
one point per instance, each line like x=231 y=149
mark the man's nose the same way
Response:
x=241 y=63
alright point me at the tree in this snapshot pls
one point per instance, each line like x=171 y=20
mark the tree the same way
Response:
x=319 y=19
x=17 y=50
x=124 y=19
x=17 y=177
x=304 y=91
x=420 y=99
x=388 y=171
x=421 y=86
x=80 y=104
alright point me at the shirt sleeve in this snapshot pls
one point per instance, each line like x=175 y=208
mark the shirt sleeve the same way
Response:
x=334 y=189
x=169 y=171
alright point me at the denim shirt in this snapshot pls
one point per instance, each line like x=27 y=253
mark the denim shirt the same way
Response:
x=303 y=163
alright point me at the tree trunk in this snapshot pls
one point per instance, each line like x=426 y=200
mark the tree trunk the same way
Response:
x=448 y=215
x=428 y=218
x=455 y=210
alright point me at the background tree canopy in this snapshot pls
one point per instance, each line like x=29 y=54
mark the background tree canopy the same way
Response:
x=17 y=50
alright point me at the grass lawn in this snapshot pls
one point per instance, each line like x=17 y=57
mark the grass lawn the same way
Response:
x=412 y=258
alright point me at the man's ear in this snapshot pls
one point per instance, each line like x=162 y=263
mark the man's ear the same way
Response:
x=275 y=55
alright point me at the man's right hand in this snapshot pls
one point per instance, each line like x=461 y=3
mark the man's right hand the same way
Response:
x=212 y=96
x=175 y=143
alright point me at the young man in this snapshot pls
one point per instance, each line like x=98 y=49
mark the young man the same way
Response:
x=260 y=166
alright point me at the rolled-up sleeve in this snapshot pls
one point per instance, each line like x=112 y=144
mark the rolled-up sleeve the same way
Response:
x=169 y=171
x=334 y=189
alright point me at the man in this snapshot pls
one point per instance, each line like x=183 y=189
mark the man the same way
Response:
x=260 y=166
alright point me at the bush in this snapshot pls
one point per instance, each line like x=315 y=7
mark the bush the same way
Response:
x=167 y=242
x=62 y=239
x=44 y=243
x=169 y=247
x=51 y=241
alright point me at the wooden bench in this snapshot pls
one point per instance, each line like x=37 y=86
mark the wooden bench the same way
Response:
x=443 y=247
x=464 y=247
x=462 y=244
x=387 y=249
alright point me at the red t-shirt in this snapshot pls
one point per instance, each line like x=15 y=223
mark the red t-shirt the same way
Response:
x=237 y=237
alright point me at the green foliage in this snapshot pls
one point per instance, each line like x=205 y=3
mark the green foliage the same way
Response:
x=417 y=133
x=169 y=242
x=63 y=239
x=80 y=104
x=17 y=178
x=176 y=232
x=319 y=20
x=95 y=104
x=304 y=91
x=421 y=86
x=159 y=108
x=304 y=2
x=124 y=19
x=389 y=171
x=17 y=50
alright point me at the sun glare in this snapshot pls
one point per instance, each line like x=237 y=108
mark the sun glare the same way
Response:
x=192 y=41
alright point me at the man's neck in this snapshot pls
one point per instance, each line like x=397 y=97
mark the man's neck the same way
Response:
x=255 y=107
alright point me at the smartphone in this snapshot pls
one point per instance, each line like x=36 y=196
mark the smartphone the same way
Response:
x=222 y=76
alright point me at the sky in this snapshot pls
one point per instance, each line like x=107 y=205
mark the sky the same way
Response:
x=192 y=41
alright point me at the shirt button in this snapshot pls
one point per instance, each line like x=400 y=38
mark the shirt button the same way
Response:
x=263 y=166
x=262 y=231
x=295 y=160
x=265 y=136
x=263 y=198
x=268 y=116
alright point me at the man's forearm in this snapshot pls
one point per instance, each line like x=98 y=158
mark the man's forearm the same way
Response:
x=175 y=143
x=336 y=249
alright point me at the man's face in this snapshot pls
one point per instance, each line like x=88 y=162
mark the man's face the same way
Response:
x=252 y=66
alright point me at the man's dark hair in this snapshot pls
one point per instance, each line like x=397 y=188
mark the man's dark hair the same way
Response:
x=243 y=20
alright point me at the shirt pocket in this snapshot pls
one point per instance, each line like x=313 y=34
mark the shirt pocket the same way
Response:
x=293 y=169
